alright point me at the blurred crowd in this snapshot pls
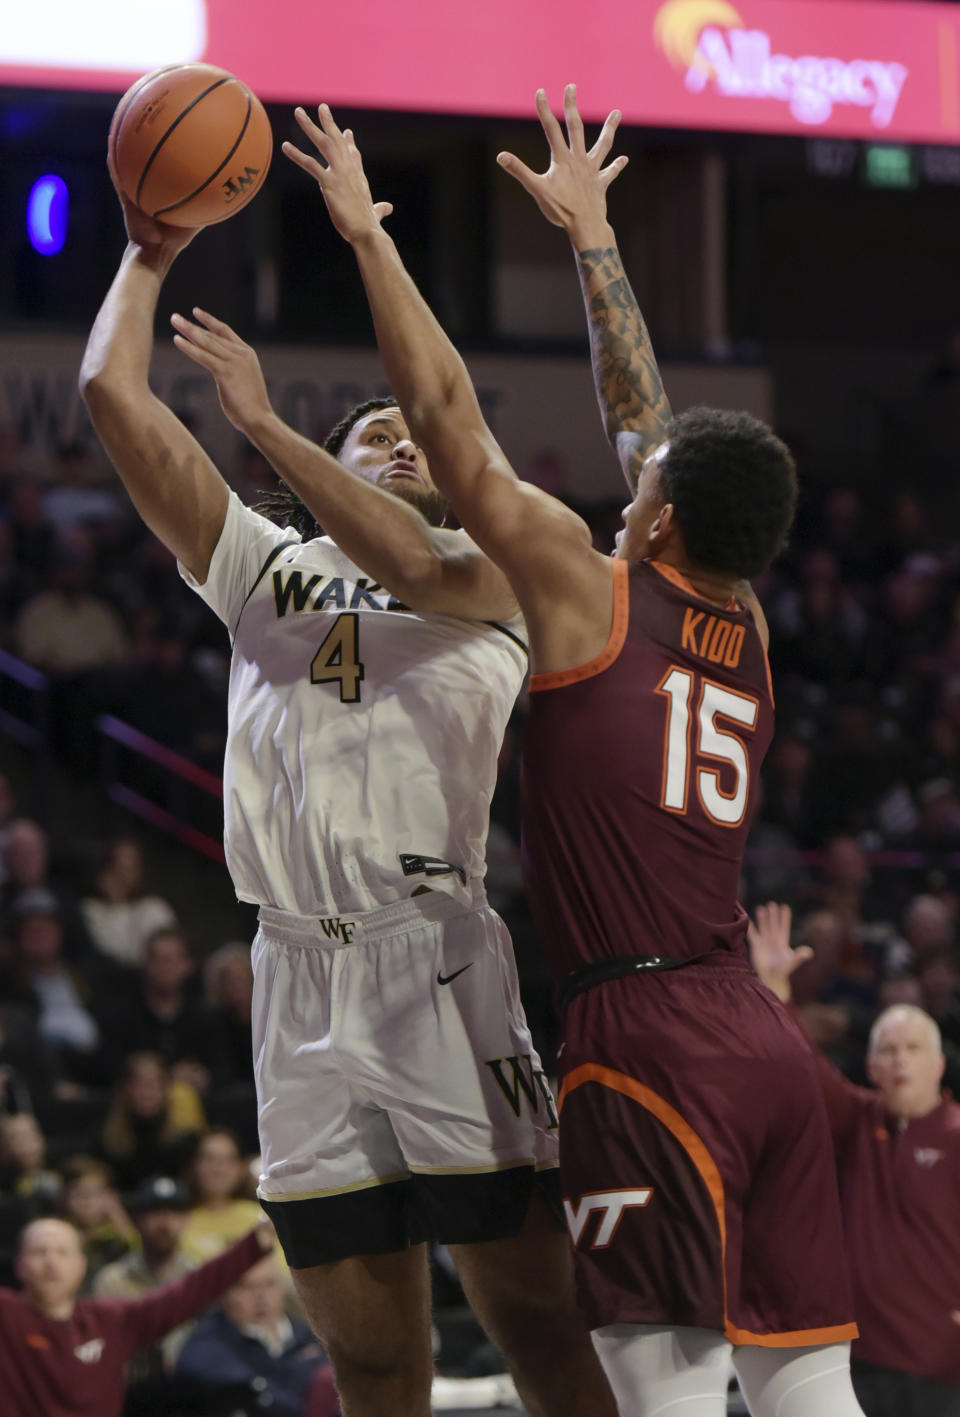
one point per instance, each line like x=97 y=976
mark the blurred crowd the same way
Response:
x=124 y=1038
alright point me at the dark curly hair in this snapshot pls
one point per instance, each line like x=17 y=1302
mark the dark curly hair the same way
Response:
x=282 y=505
x=733 y=485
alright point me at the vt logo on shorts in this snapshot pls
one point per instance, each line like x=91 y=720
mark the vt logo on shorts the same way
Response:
x=531 y=1082
x=612 y=1204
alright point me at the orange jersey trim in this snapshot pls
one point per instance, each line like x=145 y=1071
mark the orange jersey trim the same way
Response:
x=706 y=1166
x=615 y=640
x=677 y=578
x=794 y=1338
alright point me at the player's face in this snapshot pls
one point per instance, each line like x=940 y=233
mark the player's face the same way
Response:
x=379 y=448
x=906 y=1065
x=642 y=517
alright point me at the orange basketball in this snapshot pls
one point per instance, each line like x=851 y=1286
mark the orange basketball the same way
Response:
x=191 y=144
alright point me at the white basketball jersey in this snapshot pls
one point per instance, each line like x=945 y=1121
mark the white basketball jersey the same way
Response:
x=363 y=738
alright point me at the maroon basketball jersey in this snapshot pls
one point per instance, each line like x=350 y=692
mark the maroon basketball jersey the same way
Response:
x=639 y=778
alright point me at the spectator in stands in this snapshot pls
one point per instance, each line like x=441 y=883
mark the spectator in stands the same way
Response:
x=905 y=639
x=28 y=1189
x=64 y=1020
x=835 y=995
x=818 y=628
x=159 y=691
x=939 y=984
x=120 y=916
x=67 y=627
x=23 y=1153
x=26 y=858
x=251 y=1340
x=937 y=826
x=848 y=538
x=152 y=1123
x=898 y=1146
x=26 y=867
x=791 y=787
x=92 y=1206
x=900 y=987
x=939 y=975
x=160 y=1013
x=221 y=1184
x=928 y=927
x=28 y=1071
x=32 y=534
x=158 y=1209
x=228 y=989
x=75 y=500
x=61 y=1356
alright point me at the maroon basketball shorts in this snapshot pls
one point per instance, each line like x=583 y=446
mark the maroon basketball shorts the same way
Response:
x=697 y=1166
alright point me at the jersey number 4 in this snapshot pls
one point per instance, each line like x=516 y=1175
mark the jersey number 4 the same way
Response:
x=338 y=658
x=697 y=736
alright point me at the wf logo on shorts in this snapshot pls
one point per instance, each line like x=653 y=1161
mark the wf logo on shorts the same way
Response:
x=524 y=1080
x=336 y=929
x=611 y=1205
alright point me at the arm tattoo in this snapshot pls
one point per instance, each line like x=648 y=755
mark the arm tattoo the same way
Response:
x=625 y=372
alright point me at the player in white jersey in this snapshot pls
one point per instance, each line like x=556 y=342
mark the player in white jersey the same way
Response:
x=400 y=1097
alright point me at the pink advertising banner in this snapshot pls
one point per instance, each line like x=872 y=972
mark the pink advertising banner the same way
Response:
x=849 y=68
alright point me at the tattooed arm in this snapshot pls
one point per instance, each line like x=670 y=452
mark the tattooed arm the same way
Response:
x=634 y=407
x=572 y=194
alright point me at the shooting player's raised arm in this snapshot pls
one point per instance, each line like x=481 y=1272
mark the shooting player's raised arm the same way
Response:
x=572 y=193
x=171 y=480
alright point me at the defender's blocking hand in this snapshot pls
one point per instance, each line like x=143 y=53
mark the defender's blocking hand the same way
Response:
x=340 y=176
x=572 y=193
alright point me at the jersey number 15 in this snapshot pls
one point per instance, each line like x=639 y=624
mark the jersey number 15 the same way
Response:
x=690 y=738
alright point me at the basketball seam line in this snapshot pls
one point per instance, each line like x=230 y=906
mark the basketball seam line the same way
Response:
x=161 y=211
x=179 y=119
x=130 y=95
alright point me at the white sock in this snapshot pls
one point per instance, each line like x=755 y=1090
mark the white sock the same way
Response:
x=665 y=1372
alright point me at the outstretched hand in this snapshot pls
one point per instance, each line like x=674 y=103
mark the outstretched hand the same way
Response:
x=235 y=367
x=340 y=176
x=773 y=957
x=572 y=193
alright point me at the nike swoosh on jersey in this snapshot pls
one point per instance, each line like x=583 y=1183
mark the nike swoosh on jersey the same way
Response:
x=448 y=978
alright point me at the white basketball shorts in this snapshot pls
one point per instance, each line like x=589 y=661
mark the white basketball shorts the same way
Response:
x=399 y=1094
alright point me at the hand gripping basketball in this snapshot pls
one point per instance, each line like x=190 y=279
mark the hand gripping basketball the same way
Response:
x=190 y=145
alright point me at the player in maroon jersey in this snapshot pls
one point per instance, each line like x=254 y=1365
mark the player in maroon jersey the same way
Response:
x=699 y=1185
x=898 y=1148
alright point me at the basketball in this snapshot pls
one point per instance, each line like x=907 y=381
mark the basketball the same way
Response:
x=191 y=144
